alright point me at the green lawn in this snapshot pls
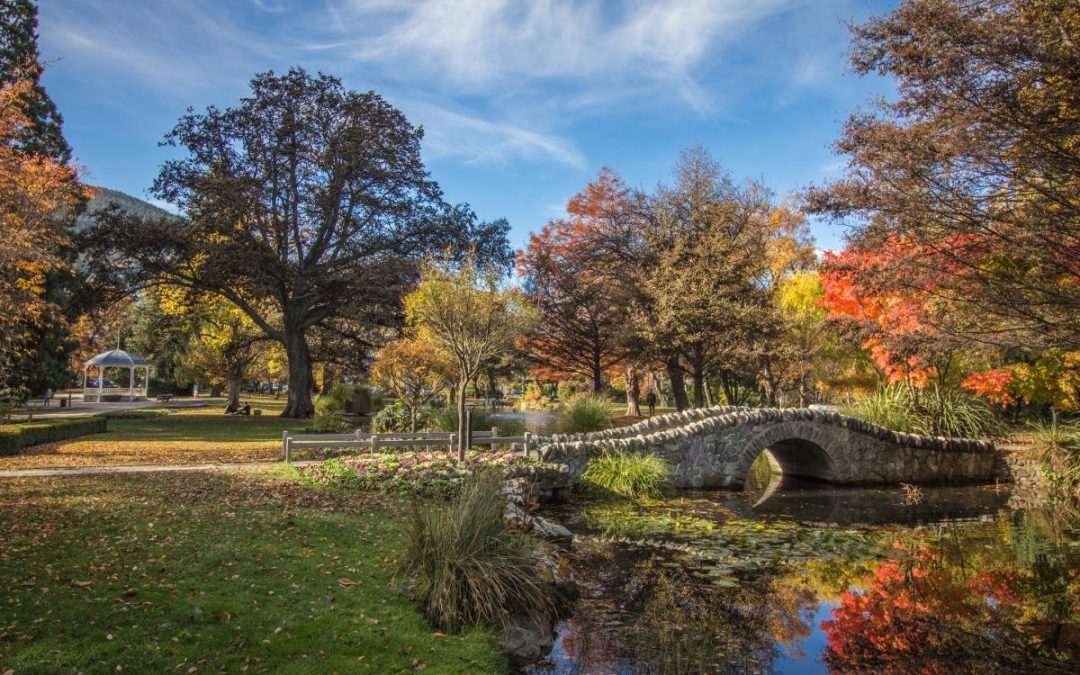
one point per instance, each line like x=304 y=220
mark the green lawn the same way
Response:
x=185 y=436
x=210 y=572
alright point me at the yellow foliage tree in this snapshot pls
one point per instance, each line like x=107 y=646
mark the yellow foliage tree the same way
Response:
x=465 y=314
x=415 y=371
x=226 y=345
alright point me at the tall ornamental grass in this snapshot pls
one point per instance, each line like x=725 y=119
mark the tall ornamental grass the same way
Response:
x=1057 y=447
x=470 y=569
x=629 y=475
x=586 y=413
x=934 y=411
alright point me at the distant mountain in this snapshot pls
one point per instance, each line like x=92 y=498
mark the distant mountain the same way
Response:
x=128 y=204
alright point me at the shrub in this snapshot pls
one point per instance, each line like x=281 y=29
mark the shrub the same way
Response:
x=932 y=412
x=446 y=419
x=469 y=568
x=395 y=417
x=15 y=437
x=628 y=475
x=586 y=413
x=136 y=414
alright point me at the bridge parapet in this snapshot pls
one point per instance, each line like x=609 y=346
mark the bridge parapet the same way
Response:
x=715 y=447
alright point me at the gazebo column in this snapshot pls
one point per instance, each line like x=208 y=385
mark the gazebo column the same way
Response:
x=100 y=383
x=131 y=383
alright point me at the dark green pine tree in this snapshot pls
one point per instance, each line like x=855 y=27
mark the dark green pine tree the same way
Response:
x=47 y=365
x=19 y=55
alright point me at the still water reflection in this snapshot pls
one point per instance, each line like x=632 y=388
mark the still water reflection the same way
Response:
x=821 y=580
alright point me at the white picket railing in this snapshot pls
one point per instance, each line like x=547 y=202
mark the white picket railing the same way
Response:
x=428 y=439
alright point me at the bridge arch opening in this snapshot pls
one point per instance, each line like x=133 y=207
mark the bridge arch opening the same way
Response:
x=793 y=458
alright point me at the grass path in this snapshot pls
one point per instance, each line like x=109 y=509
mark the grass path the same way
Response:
x=222 y=571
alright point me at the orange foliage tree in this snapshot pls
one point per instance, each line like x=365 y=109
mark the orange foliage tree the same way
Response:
x=899 y=329
x=37 y=195
x=581 y=318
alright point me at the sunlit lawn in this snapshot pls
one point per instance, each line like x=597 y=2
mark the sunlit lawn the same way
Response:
x=188 y=435
x=210 y=572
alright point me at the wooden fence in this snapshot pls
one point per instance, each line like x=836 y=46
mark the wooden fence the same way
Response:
x=426 y=439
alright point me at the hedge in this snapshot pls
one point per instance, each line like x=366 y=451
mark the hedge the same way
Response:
x=15 y=437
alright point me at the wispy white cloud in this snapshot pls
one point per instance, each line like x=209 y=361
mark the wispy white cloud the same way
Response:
x=175 y=46
x=501 y=81
x=474 y=140
x=485 y=44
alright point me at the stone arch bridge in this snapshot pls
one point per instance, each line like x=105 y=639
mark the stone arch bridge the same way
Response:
x=714 y=447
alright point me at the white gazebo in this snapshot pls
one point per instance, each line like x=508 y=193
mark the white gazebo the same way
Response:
x=102 y=389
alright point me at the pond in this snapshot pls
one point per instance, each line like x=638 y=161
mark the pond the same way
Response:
x=539 y=422
x=802 y=580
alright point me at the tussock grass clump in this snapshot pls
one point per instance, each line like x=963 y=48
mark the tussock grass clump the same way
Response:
x=470 y=569
x=1057 y=447
x=931 y=412
x=586 y=413
x=628 y=475
x=1051 y=440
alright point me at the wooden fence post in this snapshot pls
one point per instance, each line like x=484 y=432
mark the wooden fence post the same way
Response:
x=374 y=444
x=285 y=445
x=528 y=438
x=494 y=434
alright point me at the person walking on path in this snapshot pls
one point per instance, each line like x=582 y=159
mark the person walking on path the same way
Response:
x=47 y=396
x=651 y=400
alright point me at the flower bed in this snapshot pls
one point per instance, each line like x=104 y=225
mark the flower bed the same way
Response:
x=425 y=473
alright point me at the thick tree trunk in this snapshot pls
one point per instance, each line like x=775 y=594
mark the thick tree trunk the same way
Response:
x=699 y=387
x=708 y=394
x=463 y=384
x=768 y=382
x=236 y=381
x=300 y=380
x=633 y=392
x=678 y=387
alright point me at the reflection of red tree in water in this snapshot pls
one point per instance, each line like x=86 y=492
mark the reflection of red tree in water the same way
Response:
x=914 y=616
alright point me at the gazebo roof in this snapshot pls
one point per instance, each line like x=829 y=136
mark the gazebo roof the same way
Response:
x=116 y=357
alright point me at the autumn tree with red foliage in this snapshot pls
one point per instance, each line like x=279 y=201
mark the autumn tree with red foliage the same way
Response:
x=896 y=328
x=581 y=317
x=974 y=168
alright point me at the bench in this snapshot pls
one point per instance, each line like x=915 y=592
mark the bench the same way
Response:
x=165 y=398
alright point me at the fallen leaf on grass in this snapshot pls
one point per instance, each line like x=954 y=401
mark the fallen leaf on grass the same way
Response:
x=81 y=584
x=347 y=583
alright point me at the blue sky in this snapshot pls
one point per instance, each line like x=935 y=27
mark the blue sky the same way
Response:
x=522 y=101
